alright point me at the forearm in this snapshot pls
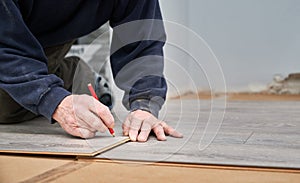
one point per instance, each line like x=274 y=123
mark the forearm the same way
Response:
x=137 y=56
x=23 y=65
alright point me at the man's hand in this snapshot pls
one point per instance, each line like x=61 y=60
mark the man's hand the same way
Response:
x=139 y=124
x=83 y=116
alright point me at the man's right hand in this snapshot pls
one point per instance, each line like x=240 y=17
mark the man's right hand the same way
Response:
x=83 y=116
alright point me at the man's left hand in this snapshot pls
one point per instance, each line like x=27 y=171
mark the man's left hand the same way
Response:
x=139 y=124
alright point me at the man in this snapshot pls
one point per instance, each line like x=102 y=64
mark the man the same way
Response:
x=36 y=79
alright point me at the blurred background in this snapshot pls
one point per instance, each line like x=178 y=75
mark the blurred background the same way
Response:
x=256 y=43
x=252 y=39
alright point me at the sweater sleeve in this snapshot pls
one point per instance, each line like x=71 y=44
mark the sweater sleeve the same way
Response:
x=137 y=54
x=23 y=65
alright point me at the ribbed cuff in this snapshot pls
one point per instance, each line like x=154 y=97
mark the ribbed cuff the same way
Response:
x=145 y=105
x=51 y=100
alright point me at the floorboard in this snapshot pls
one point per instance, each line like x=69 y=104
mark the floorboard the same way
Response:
x=256 y=134
x=40 y=137
x=248 y=133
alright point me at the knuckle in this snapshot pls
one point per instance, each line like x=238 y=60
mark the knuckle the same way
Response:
x=70 y=120
x=95 y=122
x=85 y=95
x=125 y=125
x=103 y=110
x=134 y=127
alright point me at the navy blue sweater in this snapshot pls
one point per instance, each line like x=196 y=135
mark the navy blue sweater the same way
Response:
x=28 y=26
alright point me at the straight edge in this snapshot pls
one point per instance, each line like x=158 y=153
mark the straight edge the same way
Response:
x=190 y=165
x=110 y=147
x=92 y=154
x=44 y=153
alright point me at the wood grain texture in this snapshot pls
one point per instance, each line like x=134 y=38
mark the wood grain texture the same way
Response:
x=255 y=134
x=127 y=172
x=17 y=169
x=40 y=169
x=252 y=134
x=40 y=137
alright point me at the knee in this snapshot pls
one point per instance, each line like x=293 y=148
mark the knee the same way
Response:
x=12 y=112
x=16 y=117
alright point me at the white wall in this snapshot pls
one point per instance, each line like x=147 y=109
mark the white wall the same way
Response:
x=253 y=39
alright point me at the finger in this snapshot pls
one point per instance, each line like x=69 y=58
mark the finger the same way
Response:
x=170 y=131
x=93 y=122
x=126 y=126
x=159 y=132
x=81 y=120
x=103 y=112
x=79 y=132
x=145 y=131
x=85 y=133
x=135 y=125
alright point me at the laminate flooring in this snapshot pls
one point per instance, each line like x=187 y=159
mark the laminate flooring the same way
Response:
x=238 y=133
x=241 y=133
x=40 y=137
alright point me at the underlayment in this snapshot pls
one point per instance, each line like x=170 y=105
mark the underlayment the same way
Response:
x=264 y=134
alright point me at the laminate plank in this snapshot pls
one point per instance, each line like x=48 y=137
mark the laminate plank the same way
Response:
x=249 y=133
x=38 y=137
x=252 y=133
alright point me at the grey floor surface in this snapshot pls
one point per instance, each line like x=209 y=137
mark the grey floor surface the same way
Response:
x=40 y=137
x=246 y=133
x=243 y=133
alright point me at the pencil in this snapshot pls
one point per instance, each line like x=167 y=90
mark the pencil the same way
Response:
x=111 y=131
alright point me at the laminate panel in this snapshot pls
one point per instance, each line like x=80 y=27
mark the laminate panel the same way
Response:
x=250 y=133
x=40 y=137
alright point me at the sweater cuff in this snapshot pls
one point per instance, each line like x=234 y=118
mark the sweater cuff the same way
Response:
x=51 y=100
x=145 y=105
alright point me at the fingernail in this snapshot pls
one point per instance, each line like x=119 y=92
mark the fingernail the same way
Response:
x=179 y=135
x=132 y=138
x=142 y=139
x=112 y=125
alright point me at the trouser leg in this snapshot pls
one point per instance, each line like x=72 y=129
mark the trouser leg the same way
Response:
x=12 y=112
x=84 y=75
x=75 y=73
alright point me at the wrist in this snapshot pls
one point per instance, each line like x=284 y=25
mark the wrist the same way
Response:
x=59 y=110
x=146 y=105
x=51 y=100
